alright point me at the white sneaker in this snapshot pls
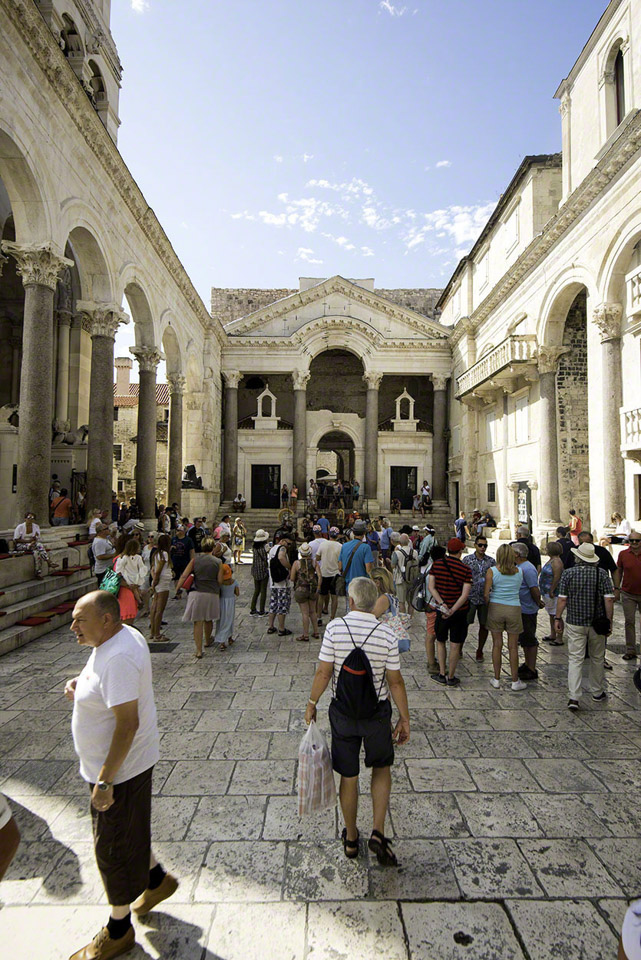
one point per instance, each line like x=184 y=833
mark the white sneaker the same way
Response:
x=519 y=685
x=495 y=683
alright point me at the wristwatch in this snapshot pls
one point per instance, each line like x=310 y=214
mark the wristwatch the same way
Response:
x=104 y=785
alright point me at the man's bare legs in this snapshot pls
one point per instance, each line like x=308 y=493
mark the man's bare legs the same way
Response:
x=348 y=795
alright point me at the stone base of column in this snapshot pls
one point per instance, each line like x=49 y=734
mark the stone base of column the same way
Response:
x=199 y=503
x=373 y=507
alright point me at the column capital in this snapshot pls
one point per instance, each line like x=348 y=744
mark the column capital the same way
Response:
x=232 y=378
x=176 y=384
x=607 y=317
x=439 y=381
x=37 y=263
x=548 y=357
x=101 y=319
x=148 y=358
x=301 y=379
x=373 y=379
x=3 y=260
x=64 y=318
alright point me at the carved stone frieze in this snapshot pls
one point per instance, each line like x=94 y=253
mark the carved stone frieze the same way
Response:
x=37 y=263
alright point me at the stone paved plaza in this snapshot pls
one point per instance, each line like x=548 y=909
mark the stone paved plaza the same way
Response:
x=516 y=822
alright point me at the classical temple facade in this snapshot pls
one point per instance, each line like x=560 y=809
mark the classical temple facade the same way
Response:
x=82 y=253
x=336 y=378
x=545 y=313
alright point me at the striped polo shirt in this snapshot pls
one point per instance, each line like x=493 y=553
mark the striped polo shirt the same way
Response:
x=381 y=647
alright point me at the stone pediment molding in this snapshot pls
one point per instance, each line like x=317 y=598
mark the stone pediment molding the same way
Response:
x=337 y=284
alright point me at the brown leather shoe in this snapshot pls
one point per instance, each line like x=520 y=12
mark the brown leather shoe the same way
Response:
x=151 y=898
x=102 y=947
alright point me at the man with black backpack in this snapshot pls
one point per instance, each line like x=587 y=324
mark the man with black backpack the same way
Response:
x=359 y=655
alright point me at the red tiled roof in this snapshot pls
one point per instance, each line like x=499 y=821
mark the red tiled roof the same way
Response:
x=162 y=395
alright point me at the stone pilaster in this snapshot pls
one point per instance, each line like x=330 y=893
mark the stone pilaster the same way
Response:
x=549 y=502
x=230 y=451
x=439 y=441
x=62 y=378
x=175 y=452
x=607 y=318
x=102 y=321
x=39 y=267
x=301 y=379
x=373 y=381
x=148 y=359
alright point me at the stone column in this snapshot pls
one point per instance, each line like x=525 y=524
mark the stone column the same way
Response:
x=230 y=451
x=102 y=321
x=62 y=379
x=39 y=268
x=373 y=381
x=439 y=442
x=549 y=503
x=16 y=347
x=148 y=359
x=175 y=452
x=607 y=317
x=300 y=378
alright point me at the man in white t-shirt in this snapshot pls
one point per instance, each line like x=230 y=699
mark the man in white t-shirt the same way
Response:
x=115 y=735
x=326 y=558
x=360 y=628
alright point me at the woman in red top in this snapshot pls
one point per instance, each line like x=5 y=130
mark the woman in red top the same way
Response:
x=576 y=526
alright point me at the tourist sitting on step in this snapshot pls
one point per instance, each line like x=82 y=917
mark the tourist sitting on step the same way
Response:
x=239 y=503
x=26 y=539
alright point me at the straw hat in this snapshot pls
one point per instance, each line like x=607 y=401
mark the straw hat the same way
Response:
x=586 y=552
x=305 y=550
x=261 y=536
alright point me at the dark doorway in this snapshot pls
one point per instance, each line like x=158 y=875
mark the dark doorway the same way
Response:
x=524 y=505
x=403 y=482
x=265 y=486
x=457 y=497
x=343 y=446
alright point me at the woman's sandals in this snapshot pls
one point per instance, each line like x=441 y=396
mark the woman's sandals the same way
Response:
x=350 y=846
x=382 y=847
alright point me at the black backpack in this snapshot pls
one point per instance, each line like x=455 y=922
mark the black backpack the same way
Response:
x=278 y=570
x=355 y=691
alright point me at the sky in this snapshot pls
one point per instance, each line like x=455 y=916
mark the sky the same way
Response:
x=283 y=138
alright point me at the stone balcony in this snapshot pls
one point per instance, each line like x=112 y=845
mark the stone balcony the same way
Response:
x=631 y=433
x=514 y=357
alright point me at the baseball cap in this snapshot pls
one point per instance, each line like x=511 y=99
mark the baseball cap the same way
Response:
x=455 y=545
x=317 y=528
x=360 y=527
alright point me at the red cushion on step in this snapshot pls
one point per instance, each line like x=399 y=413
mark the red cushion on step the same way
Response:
x=33 y=621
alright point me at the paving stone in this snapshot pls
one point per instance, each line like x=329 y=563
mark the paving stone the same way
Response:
x=241 y=746
x=40 y=776
x=451 y=744
x=563 y=929
x=244 y=871
x=605 y=745
x=511 y=719
x=235 y=934
x=497 y=815
x=555 y=744
x=435 y=815
x=266 y=720
x=568 y=868
x=36 y=815
x=564 y=776
x=186 y=746
x=228 y=818
x=462 y=719
x=621 y=815
x=217 y=721
x=262 y=777
x=439 y=775
x=501 y=775
x=31 y=868
x=617 y=775
x=282 y=822
x=197 y=778
x=614 y=912
x=321 y=871
x=418 y=747
x=424 y=873
x=459 y=931
x=491 y=868
x=350 y=929
x=566 y=814
x=622 y=857
x=500 y=744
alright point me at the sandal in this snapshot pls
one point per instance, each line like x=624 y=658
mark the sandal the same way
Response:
x=351 y=845
x=198 y=656
x=303 y=638
x=284 y=633
x=553 y=643
x=222 y=646
x=271 y=630
x=382 y=847
x=316 y=636
x=230 y=641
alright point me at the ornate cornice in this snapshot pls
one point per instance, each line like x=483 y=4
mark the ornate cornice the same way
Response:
x=547 y=358
x=37 y=36
x=607 y=318
x=37 y=263
x=373 y=379
x=301 y=379
x=176 y=384
x=275 y=311
x=101 y=319
x=148 y=358
x=232 y=378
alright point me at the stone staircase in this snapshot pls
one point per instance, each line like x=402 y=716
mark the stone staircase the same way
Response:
x=30 y=607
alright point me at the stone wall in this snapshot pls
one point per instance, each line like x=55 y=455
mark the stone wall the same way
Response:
x=423 y=301
x=572 y=398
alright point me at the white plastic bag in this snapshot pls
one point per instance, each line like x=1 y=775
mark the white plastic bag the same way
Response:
x=316 y=787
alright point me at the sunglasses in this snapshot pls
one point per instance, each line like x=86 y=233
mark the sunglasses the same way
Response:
x=634 y=541
x=483 y=546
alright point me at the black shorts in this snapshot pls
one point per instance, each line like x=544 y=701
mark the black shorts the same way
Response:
x=349 y=734
x=328 y=587
x=122 y=840
x=453 y=628
x=528 y=637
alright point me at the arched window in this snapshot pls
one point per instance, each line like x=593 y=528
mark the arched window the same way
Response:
x=70 y=38
x=619 y=86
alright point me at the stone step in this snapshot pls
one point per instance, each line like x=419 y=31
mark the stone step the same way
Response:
x=29 y=599
x=14 y=636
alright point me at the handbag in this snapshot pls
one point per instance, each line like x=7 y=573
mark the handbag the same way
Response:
x=188 y=583
x=341 y=582
x=398 y=624
x=600 y=624
x=111 y=582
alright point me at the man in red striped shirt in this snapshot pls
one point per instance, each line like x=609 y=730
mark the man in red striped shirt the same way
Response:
x=450 y=583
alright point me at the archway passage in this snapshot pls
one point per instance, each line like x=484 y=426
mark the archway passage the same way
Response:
x=334 y=461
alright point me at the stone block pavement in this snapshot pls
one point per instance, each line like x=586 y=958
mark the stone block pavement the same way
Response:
x=516 y=822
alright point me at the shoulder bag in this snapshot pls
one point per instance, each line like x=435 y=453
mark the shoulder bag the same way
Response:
x=600 y=623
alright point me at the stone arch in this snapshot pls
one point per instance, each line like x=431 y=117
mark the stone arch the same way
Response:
x=24 y=190
x=340 y=333
x=345 y=428
x=93 y=270
x=141 y=314
x=558 y=300
x=617 y=261
x=171 y=349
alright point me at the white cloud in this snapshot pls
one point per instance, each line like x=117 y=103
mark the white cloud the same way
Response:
x=391 y=9
x=278 y=158
x=444 y=163
x=307 y=157
x=367 y=251
x=140 y=6
x=307 y=255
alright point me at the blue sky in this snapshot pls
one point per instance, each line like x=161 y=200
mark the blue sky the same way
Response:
x=284 y=138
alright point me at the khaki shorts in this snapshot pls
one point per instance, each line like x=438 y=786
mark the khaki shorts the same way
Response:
x=501 y=616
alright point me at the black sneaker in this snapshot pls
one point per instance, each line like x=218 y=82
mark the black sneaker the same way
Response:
x=254 y=613
x=573 y=704
x=453 y=682
x=607 y=665
x=600 y=697
x=525 y=673
x=439 y=677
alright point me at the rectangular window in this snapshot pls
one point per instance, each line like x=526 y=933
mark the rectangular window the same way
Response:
x=512 y=230
x=115 y=413
x=521 y=419
x=118 y=452
x=491 y=493
x=167 y=415
x=121 y=486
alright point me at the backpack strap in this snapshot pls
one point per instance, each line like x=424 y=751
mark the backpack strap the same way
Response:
x=351 y=557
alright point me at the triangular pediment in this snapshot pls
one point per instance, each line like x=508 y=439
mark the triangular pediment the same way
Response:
x=331 y=302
